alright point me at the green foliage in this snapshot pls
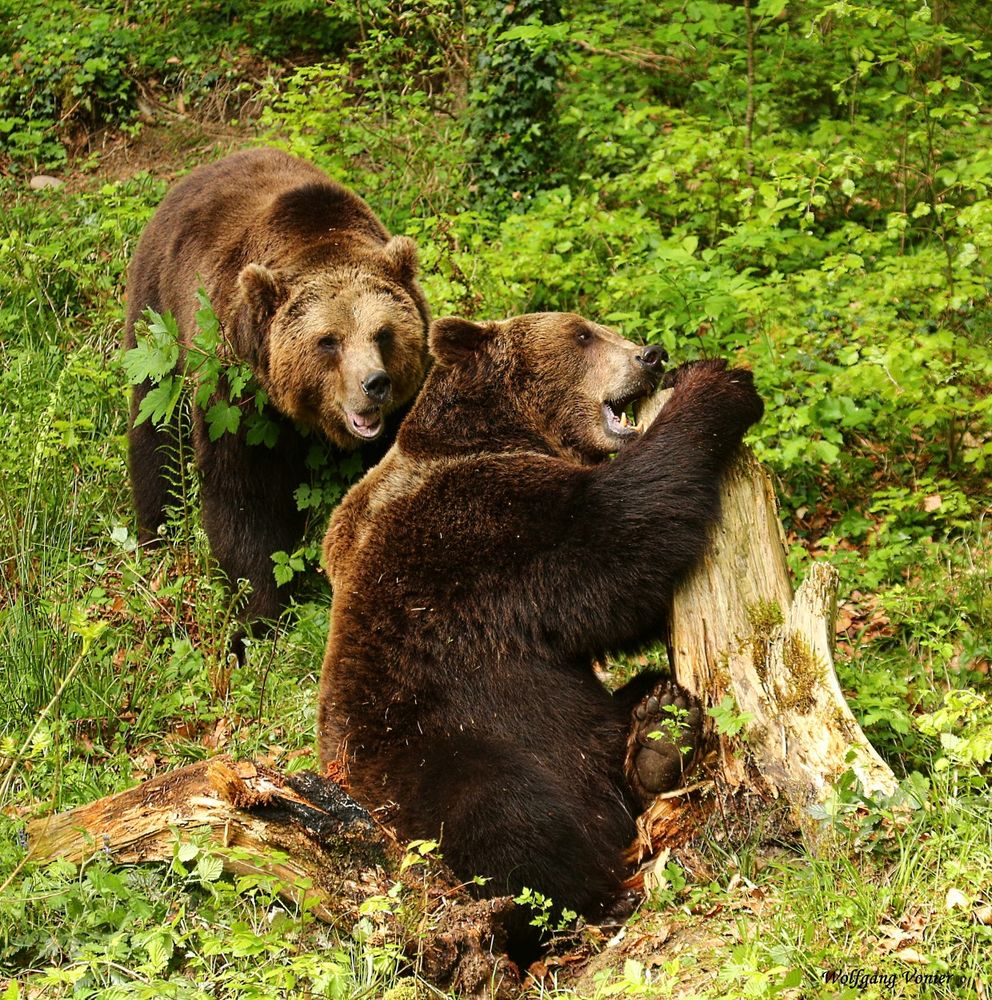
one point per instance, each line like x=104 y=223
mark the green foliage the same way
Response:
x=673 y=729
x=964 y=726
x=749 y=971
x=64 y=256
x=154 y=359
x=219 y=383
x=69 y=69
x=513 y=133
x=919 y=850
x=667 y=886
x=636 y=980
x=181 y=930
x=413 y=170
x=61 y=72
x=871 y=821
x=419 y=853
x=545 y=915
x=729 y=721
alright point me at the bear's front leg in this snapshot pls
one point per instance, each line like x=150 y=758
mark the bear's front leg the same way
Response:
x=250 y=511
x=153 y=460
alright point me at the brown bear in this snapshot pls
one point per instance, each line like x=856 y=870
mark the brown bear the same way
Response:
x=481 y=568
x=314 y=295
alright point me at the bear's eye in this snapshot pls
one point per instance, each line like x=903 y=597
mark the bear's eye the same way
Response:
x=328 y=343
x=584 y=335
x=384 y=337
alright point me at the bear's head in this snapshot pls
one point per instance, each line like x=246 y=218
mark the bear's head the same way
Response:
x=563 y=379
x=336 y=347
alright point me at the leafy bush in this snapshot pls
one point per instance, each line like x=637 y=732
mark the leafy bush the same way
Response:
x=514 y=134
x=182 y=931
x=65 y=69
x=69 y=69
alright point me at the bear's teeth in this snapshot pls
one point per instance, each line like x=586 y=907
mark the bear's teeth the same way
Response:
x=623 y=419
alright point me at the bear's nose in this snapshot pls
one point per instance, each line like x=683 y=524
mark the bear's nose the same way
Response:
x=653 y=357
x=377 y=386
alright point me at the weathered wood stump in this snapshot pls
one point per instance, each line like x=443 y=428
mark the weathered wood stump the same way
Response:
x=736 y=628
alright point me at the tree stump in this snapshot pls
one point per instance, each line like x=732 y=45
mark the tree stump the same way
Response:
x=737 y=629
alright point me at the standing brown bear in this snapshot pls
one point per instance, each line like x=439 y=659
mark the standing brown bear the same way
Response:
x=314 y=295
x=485 y=563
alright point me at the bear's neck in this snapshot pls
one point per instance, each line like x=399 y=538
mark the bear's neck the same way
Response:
x=460 y=416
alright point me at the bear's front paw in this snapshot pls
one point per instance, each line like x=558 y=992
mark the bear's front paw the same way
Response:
x=690 y=371
x=749 y=405
x=742 y=396
x=730 y=392
x=666 y=727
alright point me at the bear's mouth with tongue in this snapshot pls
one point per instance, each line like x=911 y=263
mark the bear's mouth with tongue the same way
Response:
x=366 y=425
x=618 y=416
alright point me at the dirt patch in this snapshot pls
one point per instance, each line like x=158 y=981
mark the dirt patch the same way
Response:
x=169 y=149
x=164 y=149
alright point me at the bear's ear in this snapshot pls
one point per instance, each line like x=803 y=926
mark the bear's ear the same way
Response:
x=263 y=290
x=401 y=258
x=454 y=340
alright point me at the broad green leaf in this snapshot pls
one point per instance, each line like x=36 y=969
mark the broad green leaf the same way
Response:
x=209 y=867
x=222 y=418
x=159 y=403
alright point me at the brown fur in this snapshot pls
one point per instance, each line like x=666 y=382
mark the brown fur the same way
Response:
x=480 y=568
x=313 y=293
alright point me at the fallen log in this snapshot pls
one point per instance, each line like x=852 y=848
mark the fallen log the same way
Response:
x=323 y=849
x=312 y=844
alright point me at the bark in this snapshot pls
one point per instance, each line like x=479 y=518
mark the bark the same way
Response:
x=318 y=843
x=737 y=628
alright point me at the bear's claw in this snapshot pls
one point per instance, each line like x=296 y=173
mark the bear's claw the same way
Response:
x=657 y=764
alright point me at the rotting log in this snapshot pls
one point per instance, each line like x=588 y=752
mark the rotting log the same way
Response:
x=313 y=843
x=737 y=628
x=322 y=849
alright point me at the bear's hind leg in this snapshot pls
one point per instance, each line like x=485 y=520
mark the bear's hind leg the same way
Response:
x=249 y=512
x=665 y=731
x=509 y=818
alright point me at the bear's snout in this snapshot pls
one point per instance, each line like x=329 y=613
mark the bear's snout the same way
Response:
x=377 y=386
x=652 y=358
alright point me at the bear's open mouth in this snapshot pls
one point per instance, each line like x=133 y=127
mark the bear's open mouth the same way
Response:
x=618 y=415
x=366 y=425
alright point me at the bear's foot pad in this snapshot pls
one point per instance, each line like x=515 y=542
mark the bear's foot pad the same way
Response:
x=666 y=727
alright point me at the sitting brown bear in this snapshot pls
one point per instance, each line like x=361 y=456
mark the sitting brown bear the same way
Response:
x=314 y=295
x=486 y=562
